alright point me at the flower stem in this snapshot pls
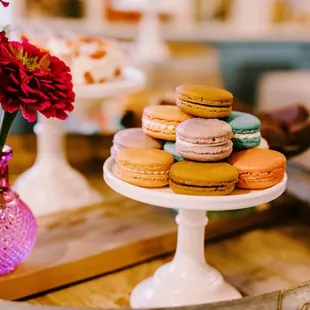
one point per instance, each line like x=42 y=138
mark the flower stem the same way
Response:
x=7 y=121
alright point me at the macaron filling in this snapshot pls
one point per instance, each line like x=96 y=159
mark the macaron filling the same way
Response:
x=262 y=175
x=143 y=178
x=214 y=141
x=215 y=186
x=157 y=125
x=143 y=171
x=209 y=103
x=246 y=141
x=202 y=149
x=247 y=135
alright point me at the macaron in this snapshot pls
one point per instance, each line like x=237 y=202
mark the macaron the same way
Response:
x=204 y=101
x=246 y=130
x=258 y=168
x=202 y=179
x=133 y=138
x=161 y=121
x=143 y=167
x=263 y=144
x=205 y=140
x=169 y=147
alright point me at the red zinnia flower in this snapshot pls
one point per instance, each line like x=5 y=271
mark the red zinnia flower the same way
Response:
x=33 y=80
x=4 y=3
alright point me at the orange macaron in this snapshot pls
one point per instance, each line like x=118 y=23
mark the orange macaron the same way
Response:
x=258 y=168
x=143 y=167
x=160 y=122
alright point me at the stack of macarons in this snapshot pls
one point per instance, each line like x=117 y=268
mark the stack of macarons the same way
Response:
x=140 y=159
x=133 y=138
x=208 y=149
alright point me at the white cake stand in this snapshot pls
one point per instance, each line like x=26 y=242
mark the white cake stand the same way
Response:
x=150 y=47
x=187 y=280
x=51 y=184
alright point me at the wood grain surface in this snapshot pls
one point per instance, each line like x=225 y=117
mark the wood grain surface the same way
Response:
x=85 y=243
x=120 y=233
x=91 y=241
x=256 y=262
x=295 y=297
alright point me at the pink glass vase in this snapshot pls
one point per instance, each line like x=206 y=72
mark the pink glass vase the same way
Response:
x=18 y=227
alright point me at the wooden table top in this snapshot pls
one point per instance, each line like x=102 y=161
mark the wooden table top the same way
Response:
x=257 y=261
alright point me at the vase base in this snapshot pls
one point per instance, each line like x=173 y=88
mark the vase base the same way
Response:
x=49 y=188
x=6 y=271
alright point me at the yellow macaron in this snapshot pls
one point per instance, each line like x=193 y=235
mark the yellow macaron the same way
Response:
x=204 y=101
x=202 y=179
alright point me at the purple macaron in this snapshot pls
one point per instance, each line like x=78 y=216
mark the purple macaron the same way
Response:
x=205 y=140
x=133 y=138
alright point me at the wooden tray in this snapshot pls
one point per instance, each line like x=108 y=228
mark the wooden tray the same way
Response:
x=93 y=241
x=89 y=242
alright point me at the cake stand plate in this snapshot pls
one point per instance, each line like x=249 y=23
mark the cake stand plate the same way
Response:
x=99 y=106
x=51 y=185
x=188 y=279
x=131 y=81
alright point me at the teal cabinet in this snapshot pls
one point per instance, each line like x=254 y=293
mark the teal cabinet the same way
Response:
x=243 y=63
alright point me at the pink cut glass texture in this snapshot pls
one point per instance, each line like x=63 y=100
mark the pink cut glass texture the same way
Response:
x=18 y=227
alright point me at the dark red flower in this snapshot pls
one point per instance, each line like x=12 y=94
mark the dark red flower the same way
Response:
x=4 y=3
x=32 y=80
x=3 y=38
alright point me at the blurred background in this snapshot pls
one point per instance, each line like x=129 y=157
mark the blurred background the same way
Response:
x=128 y=54
x=258 y=50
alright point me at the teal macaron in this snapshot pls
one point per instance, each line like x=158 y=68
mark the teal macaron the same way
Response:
x=170 y=148
x=246 y=130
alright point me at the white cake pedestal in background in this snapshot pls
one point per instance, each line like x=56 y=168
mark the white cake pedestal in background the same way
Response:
x=188 y=279
x=150 y=46
x=132 y=81
x=51 y=185
x=94 y=15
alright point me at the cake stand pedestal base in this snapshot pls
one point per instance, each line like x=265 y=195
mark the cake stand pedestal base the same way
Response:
x=157 y=294
x=55 y=187
x=187 y=280
x=51 y=185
